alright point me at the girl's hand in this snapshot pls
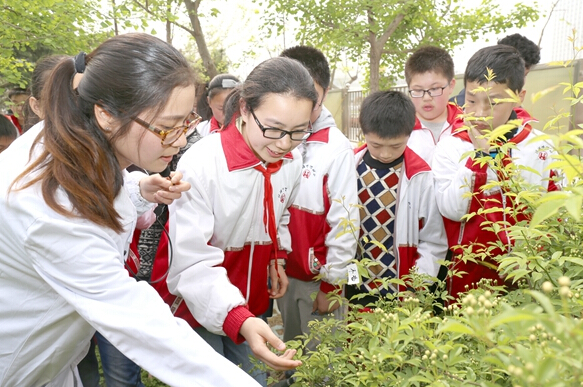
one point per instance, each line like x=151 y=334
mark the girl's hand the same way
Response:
x=279 y=283
x=258 y=333
x=165 y=190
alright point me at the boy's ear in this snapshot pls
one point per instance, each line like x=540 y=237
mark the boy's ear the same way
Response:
x=326 y=93
x=451 y=86
x=521 y=96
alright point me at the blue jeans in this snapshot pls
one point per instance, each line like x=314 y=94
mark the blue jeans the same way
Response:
x=89 y=367
x=237 y=353
x=118 y=370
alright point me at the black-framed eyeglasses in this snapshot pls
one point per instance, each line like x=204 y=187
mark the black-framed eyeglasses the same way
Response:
x=433 y=92
x=170 y=136
x=276 y=134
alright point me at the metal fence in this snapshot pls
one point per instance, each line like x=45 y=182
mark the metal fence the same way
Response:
x=351 y=109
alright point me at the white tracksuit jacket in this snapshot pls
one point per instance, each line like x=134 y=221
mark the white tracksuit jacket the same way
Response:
x=222 y=247
x=326 y=192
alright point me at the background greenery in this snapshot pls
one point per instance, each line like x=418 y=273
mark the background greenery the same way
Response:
x=375 y=34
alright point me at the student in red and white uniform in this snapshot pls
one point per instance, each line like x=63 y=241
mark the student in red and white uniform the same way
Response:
x=457 y=174
x=395 y=189
x=429 y=73
x=230 y=230
x=210 y=105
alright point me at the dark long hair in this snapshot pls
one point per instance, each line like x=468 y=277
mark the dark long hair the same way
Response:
x=126 y=75
x=274 y=76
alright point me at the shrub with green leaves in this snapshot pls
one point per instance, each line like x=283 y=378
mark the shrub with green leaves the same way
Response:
x=526 y=334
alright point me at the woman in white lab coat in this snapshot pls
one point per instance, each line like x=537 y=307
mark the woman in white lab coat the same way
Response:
x=66 y=219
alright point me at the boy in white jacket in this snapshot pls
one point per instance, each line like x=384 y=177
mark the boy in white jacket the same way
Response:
x=429 y=73
x=395 y=190
x=326 y=191
x=464 y=184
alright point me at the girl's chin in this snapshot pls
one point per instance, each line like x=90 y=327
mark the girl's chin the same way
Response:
x=272 y=155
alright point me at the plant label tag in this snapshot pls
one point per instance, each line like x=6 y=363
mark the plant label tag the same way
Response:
x=353 y=278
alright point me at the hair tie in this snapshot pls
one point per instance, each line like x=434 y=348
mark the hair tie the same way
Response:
x=80 y=62
x=229 y=83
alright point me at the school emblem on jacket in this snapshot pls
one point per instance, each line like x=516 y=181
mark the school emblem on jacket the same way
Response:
x=313 y=263
x=282 y=195
x=308 y=171
x=543 y=152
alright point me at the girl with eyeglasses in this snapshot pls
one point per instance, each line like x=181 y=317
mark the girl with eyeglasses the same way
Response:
x=230 y=230
x=211 y=103
x=67 y=218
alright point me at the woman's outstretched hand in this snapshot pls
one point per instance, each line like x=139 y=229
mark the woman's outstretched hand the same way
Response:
x=258 y=333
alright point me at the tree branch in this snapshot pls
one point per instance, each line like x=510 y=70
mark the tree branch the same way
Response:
x=391 y=29
x=149 y=12
x=547 y=22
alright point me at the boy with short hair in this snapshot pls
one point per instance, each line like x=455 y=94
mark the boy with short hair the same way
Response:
x=326 y=192
x=457 y=174
x=429 y=73
x=396 y=192
x=528 y=50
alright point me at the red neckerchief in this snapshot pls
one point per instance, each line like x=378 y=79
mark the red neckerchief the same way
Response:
x=268 y=210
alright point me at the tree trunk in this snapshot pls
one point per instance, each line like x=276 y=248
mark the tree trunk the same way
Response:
x=377 y=45
x=168 y=23
x=209 y=65
x=115 y=31
x=374 y=67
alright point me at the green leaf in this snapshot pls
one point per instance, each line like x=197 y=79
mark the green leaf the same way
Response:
x=543 y=301
x=456 y=327
x=545 y=211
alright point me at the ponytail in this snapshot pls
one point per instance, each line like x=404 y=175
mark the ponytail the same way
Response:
x=202 y=105
x=126 y=75
x=77 y=156
x=232 y=106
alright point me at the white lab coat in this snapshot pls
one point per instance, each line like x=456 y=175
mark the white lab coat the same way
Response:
x=63 y=278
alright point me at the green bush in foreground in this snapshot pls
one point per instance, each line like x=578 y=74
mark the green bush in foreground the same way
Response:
x=531 y=335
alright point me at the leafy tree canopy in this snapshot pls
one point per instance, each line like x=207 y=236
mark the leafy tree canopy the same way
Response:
x=30 y=29
x=380 y=34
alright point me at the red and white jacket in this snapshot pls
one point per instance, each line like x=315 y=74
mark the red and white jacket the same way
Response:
x=207 y=127
x=459 y=183
x=419 y=234
x=221 y=246
x=422 y=141
x=326 y=192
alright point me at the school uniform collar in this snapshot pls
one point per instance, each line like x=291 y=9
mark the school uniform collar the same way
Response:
x=322 y=135
x=453 y=116
x=520 y=133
